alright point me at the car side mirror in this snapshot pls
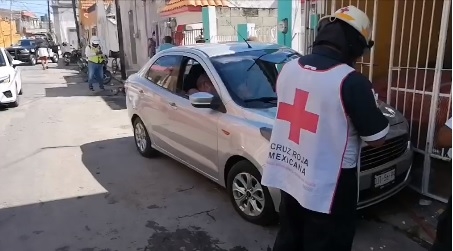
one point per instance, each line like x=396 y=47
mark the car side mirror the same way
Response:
x=201 y=100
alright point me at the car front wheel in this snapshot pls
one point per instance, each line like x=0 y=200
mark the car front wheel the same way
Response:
x=55 y=58
x=142 y=140
x=250 y=199
x=32 y=60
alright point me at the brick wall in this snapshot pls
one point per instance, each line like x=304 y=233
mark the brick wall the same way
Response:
x=229 y=18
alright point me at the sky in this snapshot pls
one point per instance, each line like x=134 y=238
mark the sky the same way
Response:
x=39 y=7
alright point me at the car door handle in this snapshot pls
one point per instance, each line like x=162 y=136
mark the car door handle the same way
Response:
x=173 y=105
x=141 y=91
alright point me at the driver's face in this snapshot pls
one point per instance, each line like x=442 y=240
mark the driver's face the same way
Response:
x=205 y=84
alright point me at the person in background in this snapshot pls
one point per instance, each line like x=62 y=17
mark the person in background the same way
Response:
x=443 y=236
x=95 y=63
x=326 y=109
x=43 y=53
x=167 y=44
x=152 y=44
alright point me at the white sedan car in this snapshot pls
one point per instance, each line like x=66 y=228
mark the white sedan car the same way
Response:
x=10 y=79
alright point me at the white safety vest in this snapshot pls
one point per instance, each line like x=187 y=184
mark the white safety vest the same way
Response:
x=310 y=135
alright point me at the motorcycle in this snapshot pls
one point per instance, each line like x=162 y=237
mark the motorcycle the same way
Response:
x=72 y=57
x=83 y=68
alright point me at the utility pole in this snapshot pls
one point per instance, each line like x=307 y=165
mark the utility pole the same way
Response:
x=74 y=10
x=11 y=21
x=119 y=26
x=48 y=16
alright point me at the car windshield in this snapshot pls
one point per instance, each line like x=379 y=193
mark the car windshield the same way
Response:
x=25 y=42
x=250 y=77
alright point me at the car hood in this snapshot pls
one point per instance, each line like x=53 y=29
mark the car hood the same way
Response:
x=268 y=115
x=20 y=47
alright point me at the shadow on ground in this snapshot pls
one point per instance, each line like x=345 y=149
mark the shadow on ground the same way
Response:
x=114 y=163
x=78 y=87
x=155 y=205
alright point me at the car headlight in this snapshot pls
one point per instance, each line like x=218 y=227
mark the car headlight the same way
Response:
x=32 y=50
x=25 y=50
x=4 y=80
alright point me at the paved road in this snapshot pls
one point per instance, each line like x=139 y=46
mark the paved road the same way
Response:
x=71 y=179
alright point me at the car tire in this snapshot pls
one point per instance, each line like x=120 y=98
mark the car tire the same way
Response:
x=55 y=58
x=142 y=140
x=32 y=60
x=246 y=170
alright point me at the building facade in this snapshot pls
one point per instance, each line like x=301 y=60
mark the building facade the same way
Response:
x=63 y=16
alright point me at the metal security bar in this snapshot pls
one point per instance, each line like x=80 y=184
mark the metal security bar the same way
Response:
x=312 y=11
x=419 y=77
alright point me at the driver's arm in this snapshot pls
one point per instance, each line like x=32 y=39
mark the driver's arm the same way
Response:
x=360 y=106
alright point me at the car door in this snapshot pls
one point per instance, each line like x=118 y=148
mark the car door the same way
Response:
x=193 y=129
x=157 y=99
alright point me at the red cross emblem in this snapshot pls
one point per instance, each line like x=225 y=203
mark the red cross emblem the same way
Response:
x=343 y=10
x=297 y=116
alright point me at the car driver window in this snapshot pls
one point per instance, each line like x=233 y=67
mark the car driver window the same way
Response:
x=164 y=72
x=193 y=70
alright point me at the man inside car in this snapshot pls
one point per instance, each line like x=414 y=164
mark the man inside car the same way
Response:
x=204 y=84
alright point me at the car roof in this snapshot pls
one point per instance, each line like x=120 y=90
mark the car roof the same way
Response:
x=215 y=49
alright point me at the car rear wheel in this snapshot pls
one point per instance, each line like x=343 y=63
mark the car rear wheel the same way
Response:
x=250 y=199
x=142 y=140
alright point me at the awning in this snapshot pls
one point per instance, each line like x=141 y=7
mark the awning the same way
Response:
x=176 y=4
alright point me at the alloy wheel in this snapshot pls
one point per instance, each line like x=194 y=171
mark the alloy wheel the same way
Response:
x=140 y=137
x=248 y=194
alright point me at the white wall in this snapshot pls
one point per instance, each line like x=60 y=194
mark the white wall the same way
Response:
x=64 y=20
x=188 y=18
x=264 y=4
x=145 y=16
x=106 y=29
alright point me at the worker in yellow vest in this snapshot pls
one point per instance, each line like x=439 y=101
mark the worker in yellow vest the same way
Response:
x=95 y=63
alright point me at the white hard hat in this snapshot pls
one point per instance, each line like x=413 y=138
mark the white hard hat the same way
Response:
x=95 y=40
x=354 y=17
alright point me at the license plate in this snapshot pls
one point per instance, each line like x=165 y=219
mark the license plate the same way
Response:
x=384 y=178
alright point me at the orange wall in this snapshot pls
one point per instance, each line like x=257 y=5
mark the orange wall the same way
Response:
x=87 y=19
x=5 y=37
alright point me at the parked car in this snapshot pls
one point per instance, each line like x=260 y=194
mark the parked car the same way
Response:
x=225 y=135
x=10 y=79
x=51 y=39
x=26 y=50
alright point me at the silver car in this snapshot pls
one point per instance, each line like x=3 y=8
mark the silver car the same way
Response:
x=224 y=133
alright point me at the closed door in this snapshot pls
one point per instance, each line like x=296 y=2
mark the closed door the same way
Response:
x=194 y=129
x=157 y=99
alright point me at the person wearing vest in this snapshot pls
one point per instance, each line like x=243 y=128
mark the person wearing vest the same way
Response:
x=443 y=236
x=95 y=63
x=326 y=109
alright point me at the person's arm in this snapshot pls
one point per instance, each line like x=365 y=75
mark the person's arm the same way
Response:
x=360 y=106
x=444 y=136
